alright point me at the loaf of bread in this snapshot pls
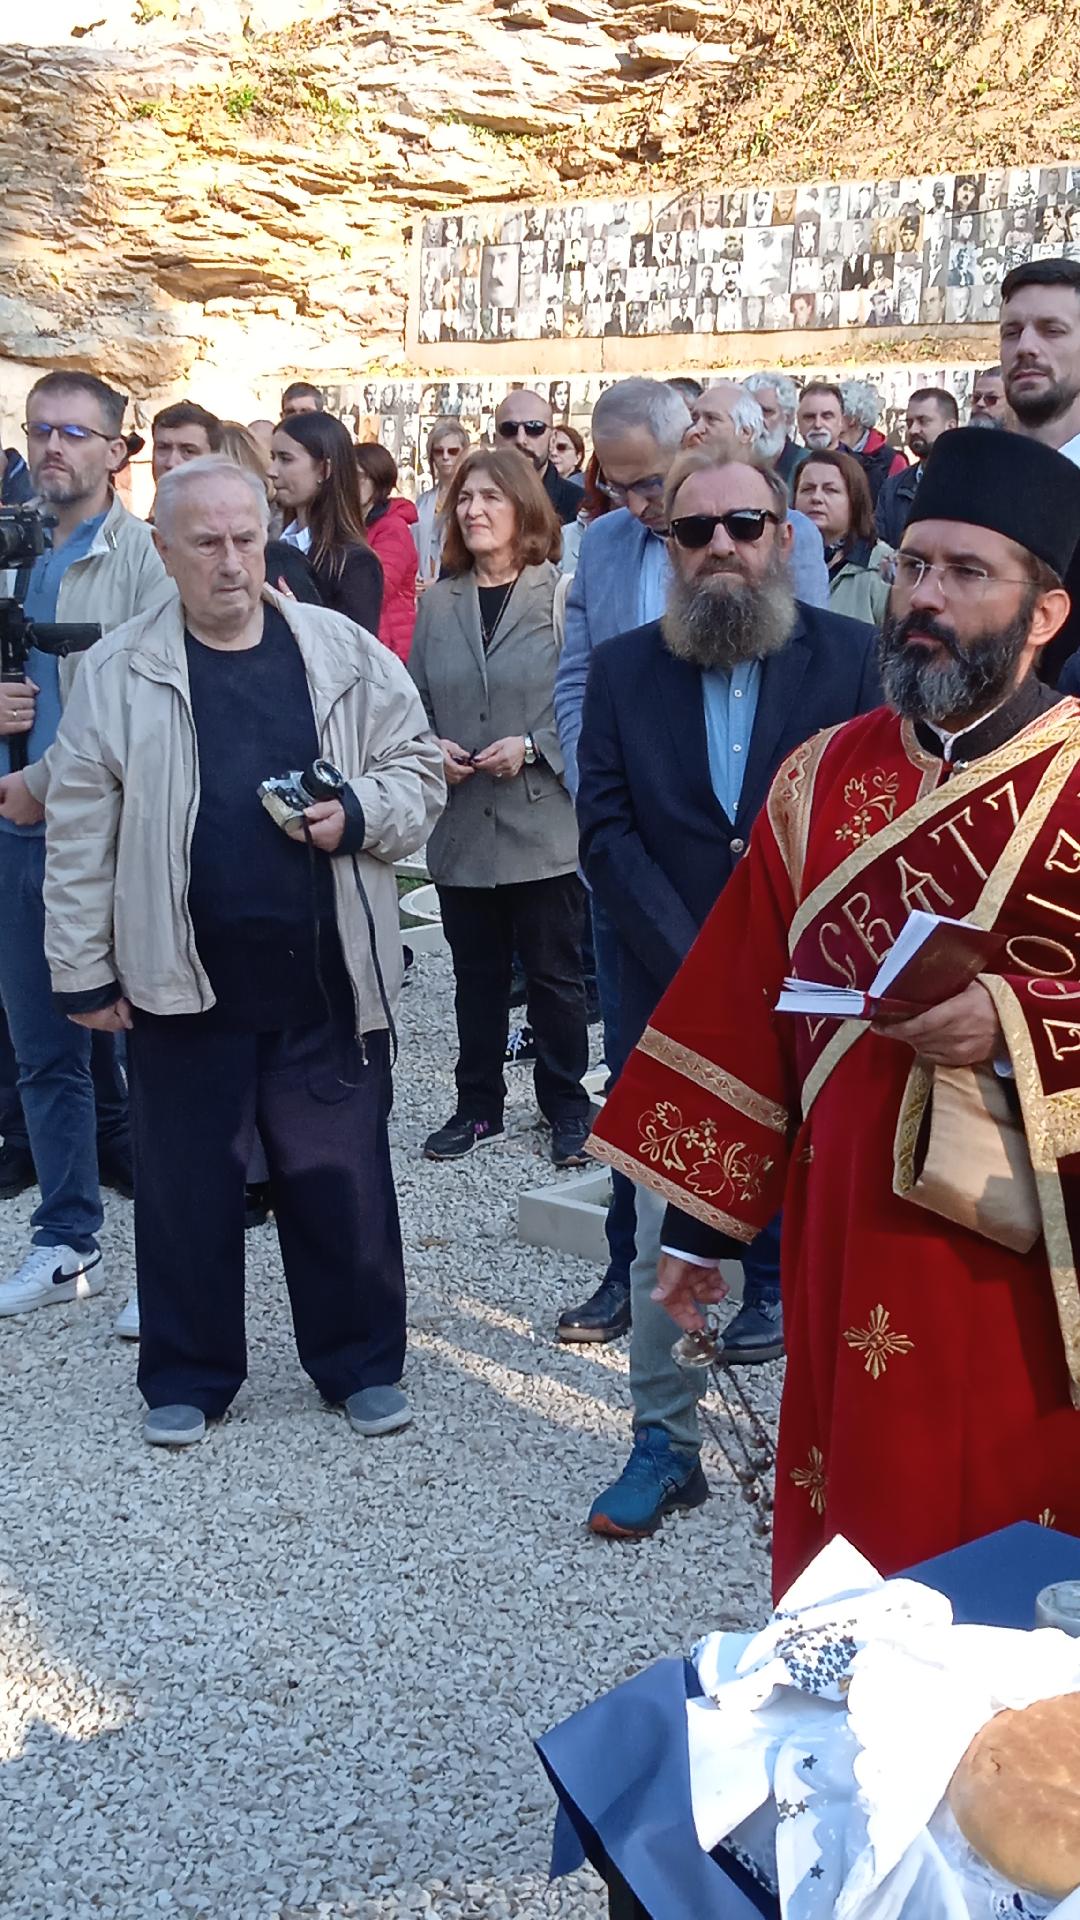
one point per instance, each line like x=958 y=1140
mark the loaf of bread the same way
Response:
x=1016 y=1796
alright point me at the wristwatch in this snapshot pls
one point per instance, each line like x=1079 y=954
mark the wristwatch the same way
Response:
x=531 y=755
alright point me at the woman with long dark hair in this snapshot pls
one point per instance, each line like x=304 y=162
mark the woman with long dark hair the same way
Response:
x=316 y=484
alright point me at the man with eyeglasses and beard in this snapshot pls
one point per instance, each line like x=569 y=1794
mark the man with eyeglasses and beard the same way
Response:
x=686 y=720
x=524 y=420
x=102 y=568
x=926 y=1164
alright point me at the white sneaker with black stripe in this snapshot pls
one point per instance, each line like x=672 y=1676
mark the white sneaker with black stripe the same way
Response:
x=48 y=1274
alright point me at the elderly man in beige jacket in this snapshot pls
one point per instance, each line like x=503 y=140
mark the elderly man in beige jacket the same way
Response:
x=257 y=969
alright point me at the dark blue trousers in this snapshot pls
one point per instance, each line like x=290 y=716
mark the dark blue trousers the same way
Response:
x=197 y=1095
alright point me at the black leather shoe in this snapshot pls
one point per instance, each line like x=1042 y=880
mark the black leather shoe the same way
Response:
x=604 y=1316
x=114 y=1169
x=754 y=1336
x=16 y=1171
x=568 y=1143
x=256 y=1204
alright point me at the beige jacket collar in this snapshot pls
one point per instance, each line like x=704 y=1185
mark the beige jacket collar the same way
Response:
x=330 y=661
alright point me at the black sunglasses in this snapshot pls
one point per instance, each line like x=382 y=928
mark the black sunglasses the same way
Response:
x=744 y=524
x=509 y=429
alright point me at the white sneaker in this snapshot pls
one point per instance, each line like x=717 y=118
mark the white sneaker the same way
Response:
x=48 y=1274
x=126 y=1324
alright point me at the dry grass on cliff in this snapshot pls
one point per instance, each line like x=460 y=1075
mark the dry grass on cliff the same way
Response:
x=849 y=88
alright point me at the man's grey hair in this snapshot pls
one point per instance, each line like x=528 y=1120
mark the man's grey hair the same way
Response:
x=862 y=402
x=746 y=414
x=641 y=403
x=787 y=393
x=175 y=485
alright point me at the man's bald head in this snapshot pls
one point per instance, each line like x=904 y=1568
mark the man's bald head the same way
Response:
x=524 y=420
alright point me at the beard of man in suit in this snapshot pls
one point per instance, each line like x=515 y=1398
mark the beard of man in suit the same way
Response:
x=719 y=617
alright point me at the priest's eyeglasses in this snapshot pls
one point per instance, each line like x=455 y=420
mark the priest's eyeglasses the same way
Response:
x=957 y=579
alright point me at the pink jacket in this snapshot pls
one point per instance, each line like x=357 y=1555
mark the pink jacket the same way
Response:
x=391 y=538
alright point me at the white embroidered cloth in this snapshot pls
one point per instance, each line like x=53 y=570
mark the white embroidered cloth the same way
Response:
x=823 y=1747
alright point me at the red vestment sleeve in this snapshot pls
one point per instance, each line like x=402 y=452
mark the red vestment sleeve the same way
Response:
x=706 y=1105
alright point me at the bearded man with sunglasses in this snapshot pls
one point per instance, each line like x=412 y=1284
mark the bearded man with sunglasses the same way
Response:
x=928 y=1166
x=102 y=568
x=685 y=722
x=524 y=420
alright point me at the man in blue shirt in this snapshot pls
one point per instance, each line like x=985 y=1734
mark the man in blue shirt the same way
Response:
x=685 y=722
x=101 y=568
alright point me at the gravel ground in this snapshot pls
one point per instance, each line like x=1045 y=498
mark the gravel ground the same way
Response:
x=297 y=1673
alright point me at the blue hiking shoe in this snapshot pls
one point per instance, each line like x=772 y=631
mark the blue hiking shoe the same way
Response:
x=755 y=1335
x=656 y=1479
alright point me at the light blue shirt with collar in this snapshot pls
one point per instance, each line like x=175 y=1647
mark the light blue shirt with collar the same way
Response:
x=731 y=701
x=653 y=579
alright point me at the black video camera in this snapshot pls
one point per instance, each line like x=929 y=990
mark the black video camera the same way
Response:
x=25 y=534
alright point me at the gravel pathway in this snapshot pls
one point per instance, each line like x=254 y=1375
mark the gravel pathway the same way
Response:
x=295 y=1674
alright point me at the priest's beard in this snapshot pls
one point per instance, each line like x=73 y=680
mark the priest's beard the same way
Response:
x=718 y=619
x=978 y=676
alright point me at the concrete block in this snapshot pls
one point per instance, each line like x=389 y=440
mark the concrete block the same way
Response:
x=568 y=1217
x=425 y=937
x=421 y=925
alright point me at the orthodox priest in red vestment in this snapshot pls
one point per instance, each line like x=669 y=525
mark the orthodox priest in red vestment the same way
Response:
x=928 y=1168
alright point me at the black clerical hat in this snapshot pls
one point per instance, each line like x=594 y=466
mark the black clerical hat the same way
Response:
x=1007 y=482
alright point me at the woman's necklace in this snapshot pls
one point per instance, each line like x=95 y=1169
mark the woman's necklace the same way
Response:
x=490 y=628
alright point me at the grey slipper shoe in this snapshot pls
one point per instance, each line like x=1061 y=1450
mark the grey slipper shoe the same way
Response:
x=174 y=1426
x=375 y=1410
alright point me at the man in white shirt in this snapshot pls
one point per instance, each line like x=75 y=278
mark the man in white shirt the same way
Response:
x=1040 y=352
x=1040 y=365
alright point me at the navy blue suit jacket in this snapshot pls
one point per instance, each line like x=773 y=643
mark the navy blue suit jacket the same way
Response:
x=656 y=845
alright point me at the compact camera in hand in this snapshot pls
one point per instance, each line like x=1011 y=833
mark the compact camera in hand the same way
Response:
x=288 y=796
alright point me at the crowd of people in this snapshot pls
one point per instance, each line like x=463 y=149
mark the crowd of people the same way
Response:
x=576 y=672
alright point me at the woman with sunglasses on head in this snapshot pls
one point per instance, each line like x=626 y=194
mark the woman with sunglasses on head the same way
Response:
x=504 y=854
x=317 y=487
x=832 y=490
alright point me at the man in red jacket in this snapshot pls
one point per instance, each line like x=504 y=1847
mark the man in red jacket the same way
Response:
x=389 y=523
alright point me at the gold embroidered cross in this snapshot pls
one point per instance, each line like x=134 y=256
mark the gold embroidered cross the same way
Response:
x=878 y=1341
x=812 y=1478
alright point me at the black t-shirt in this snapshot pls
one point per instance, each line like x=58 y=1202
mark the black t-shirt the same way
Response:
x=493 y=604
x=262 y=905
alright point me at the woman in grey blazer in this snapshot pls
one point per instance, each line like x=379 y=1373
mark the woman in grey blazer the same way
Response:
x=504 y=854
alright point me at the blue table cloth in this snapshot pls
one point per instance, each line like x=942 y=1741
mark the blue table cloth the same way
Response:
x=621 y=1770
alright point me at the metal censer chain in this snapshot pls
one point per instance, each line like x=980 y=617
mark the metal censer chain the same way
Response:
x=751 y=1456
